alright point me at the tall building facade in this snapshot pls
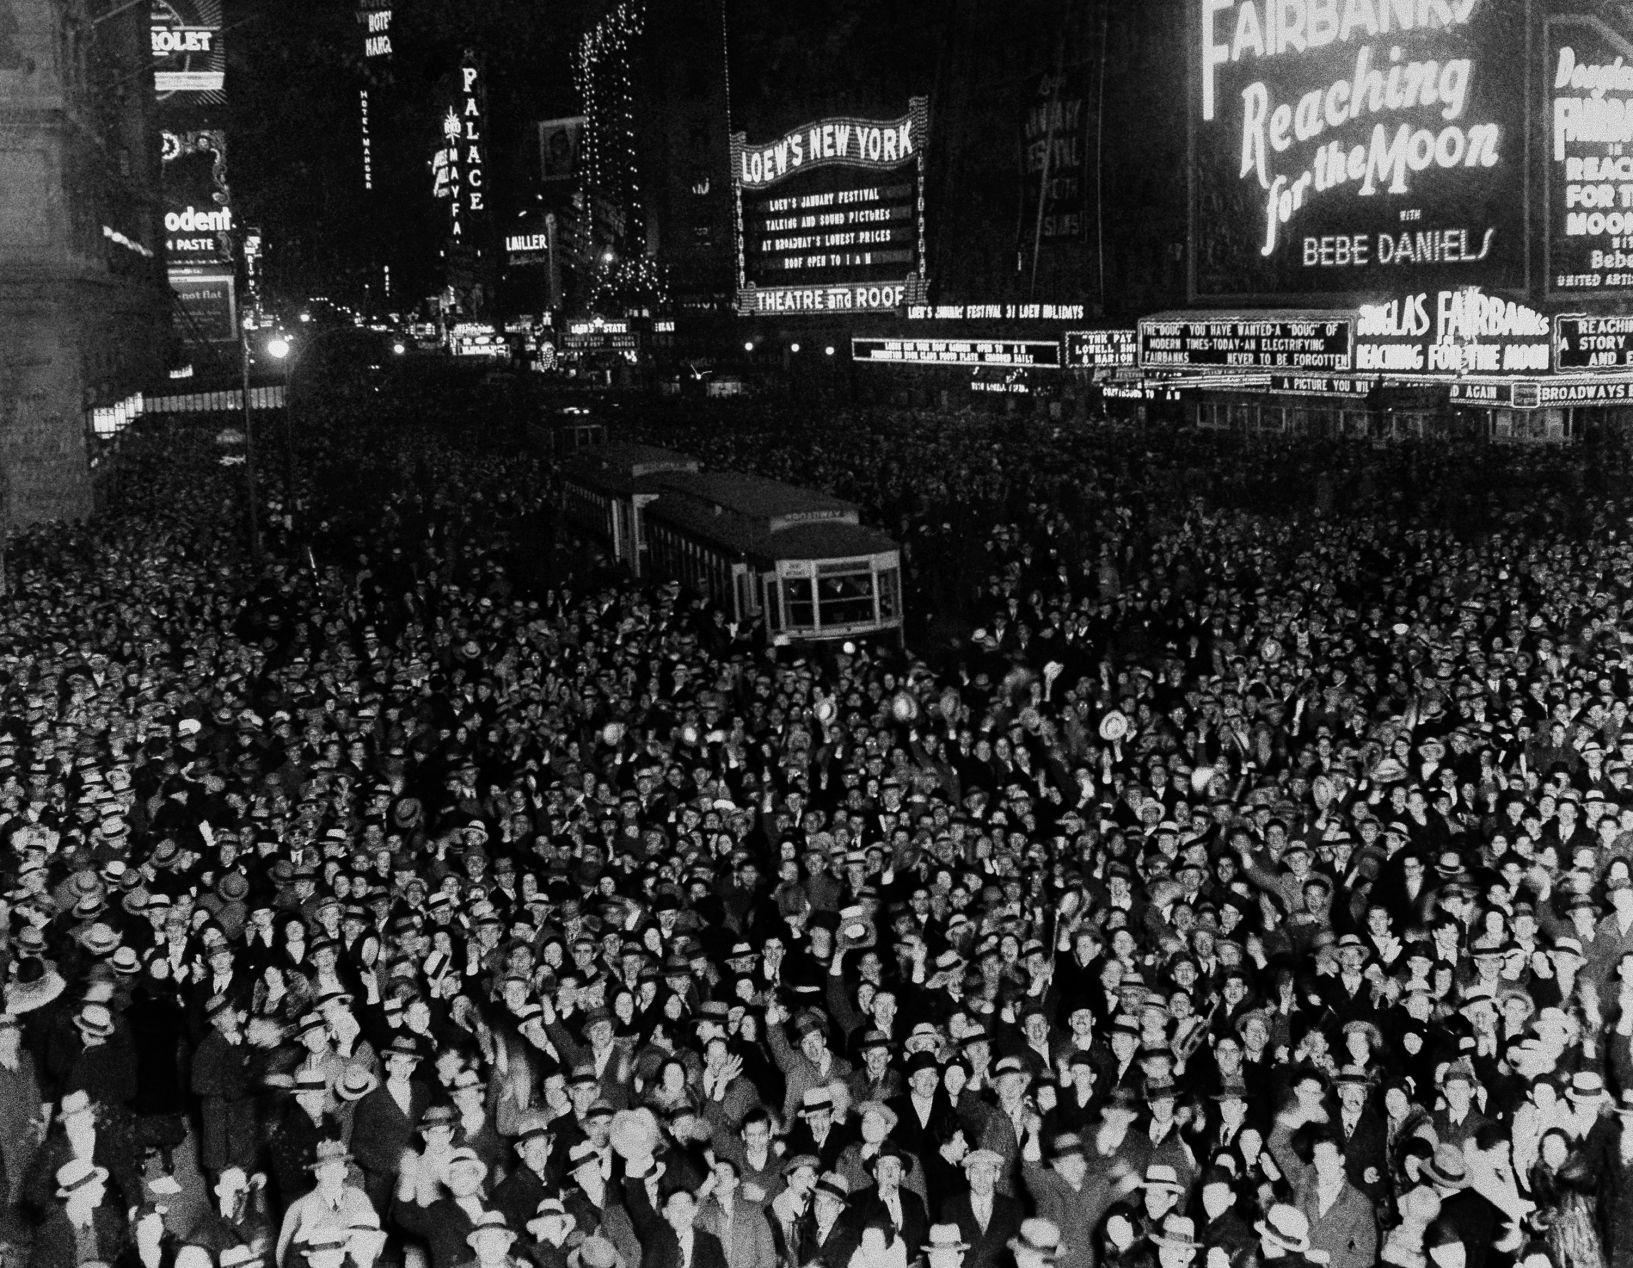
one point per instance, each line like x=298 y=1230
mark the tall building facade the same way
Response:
x=83 y=312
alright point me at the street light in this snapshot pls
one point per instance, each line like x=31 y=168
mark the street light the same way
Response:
x=280 y=348
x=249 y=453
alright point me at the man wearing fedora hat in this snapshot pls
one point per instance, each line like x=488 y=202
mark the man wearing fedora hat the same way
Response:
x=491 y=1240
x=1068 y=1193
x=80 y=1226
x=808 y=1063
x=444 y=1222
x=829 y=1239
x=1341 y=1220
x=986 y=1218
x=237 y=1217
x=221 y=1079
x=302 y=1123
x=1476 y=1223
x=740 y=1225
x=102 y=1061
x=888 y=1203
x=385 y=1121
x=669 y=1233
x=331 y=1207
x=1175 y=1242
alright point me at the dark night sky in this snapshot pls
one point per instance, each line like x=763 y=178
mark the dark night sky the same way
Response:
x=293 y=108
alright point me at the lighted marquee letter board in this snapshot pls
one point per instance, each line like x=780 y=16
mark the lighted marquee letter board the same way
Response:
x=830 y=216
x=1357 y=145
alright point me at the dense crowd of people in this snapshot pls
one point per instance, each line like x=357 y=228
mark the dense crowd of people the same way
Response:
x=1242 y=875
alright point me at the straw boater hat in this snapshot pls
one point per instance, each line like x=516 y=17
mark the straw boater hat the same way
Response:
x=945 y=1237
x=76 y=1173
x=1287 y=1227
x=1038 y=1237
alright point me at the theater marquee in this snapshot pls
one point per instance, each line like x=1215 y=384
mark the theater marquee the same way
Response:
x=830 y=215
x=1349 y=145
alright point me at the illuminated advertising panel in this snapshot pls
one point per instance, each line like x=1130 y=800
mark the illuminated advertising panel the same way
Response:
x=1320 y=385
x=861 y=297
x=600 y=335
x=1592 y=343
x=830 y=215
x=1589 y=100
x=204 y=308
x=1559 y=393
x=1009 y=353
x=189 y=59
x=1313 y=342
x=197 y=214
x=374 y=16
x=997 y=312
x=1341 y=145
x=559 y=141
x=1451 y=333
x=1054 y=161
x=1102 y=349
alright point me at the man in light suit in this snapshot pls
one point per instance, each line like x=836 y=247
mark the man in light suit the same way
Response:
x=332 y=1207
x=738 y=1224
x=1342 y=1220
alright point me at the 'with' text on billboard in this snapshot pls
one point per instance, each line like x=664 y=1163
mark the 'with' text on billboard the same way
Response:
x=1357 y=145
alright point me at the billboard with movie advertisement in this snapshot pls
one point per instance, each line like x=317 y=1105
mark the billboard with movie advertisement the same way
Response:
x=1352 y=147
x=1587 y=158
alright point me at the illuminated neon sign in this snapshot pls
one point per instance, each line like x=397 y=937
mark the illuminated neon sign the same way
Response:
x=1313 y=342
x=854 y=142
x=1341 y=142
x=1008 y=353
x=1590 y=171
x=831 y=209
x=1452 y=333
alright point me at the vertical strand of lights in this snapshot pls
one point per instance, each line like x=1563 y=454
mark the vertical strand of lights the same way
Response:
x=604 y=69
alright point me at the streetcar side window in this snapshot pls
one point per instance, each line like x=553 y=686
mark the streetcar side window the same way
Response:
x=890 y=594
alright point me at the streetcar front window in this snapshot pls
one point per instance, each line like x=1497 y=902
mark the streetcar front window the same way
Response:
x=846 y=598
